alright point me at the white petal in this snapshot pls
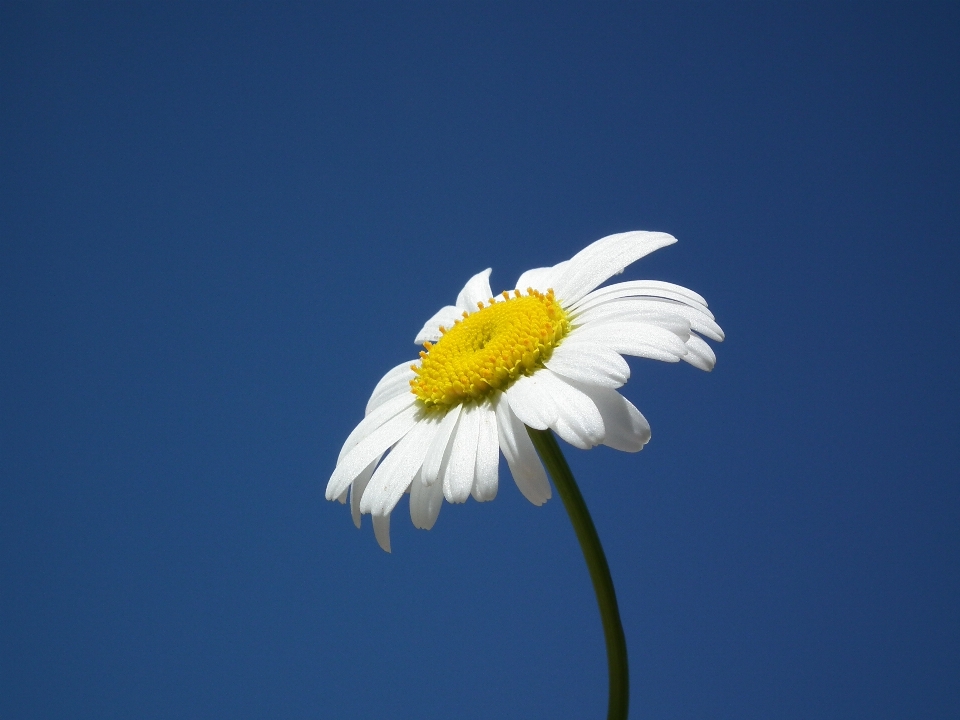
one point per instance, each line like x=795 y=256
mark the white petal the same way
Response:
x=531 y=403
x=488 y=456
x=445 y=316
x=579 y=421
x=358 y=486
x=441 y=442
x=618 y=313
x=521 y=456
x=589 y=363
x=462 y=466
x=394 y=474
x=425 y=502
x=380 y=415
x=394 y=383
x=699 y=354
x=642 y=288
x=475 y=291
x=603 y=259
x=637 y=339
x=650 y=309
x=626 y=428
x=541 y=279
x=627 y=310
x=374 y=444
x=381 y=529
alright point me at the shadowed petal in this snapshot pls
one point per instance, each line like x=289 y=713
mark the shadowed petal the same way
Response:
x=654 y=310
x=377 y=417
x=642 y=288
x=381 y=530
x=461 y=468
x=394 y=474
x=376 y=443
x=445 y=316
x=357 y=487
x=531 y=403
x=626 y=428
x=699 y=354
x=637 y=339
x=541 y=279
x=521 y=456
x=578 y=421
x=589 y=363
x=440 y=445
x=425 y=502
x=476 y=290
x=393 y=384
x=488 y=456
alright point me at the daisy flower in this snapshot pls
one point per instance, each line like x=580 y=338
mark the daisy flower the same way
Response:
x=548 y=354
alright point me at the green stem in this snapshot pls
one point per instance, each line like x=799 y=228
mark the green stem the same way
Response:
x=549 y=451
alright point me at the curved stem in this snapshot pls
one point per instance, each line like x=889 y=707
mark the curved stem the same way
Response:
x=549 y=451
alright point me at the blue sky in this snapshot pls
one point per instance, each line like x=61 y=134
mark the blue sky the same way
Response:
x=221 y=224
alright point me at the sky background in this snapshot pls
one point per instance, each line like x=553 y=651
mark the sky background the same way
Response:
x=221 y=224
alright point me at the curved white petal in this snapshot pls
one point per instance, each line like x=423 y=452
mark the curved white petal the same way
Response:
x=531 y=403
x=652 y=309
x=589 y=363
x=634 y=338
x=374 y=444
x=425 y=502
x=541 y=279
x=358 y=486
x=440 y=446
x=393 y=476
x=699 y=354
x=375 y=419
x=381 y=530
x=641 y=288
x=475 y=291
x=626 y=427
x=578 y=421
x=488 y=456
x=394 y=383
x=521 y=456
x=462 y=465
x=604 y=315
x=603 y=259
x=445 y=316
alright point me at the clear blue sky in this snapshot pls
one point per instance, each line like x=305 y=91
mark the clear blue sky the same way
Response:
x=219 y=226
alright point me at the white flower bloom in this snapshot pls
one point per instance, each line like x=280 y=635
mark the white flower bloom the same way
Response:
x=547 y=355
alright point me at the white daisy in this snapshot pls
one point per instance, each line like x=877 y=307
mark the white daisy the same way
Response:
x=547 y=355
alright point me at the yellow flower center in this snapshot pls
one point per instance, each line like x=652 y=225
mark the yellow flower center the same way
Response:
x=489 y=349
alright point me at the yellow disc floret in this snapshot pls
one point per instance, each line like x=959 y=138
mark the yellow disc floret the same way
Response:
x=489 y=349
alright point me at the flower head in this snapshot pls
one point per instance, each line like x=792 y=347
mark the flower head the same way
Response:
x=548 y=354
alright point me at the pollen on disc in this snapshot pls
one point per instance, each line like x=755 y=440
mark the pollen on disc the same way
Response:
x=490 y=348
